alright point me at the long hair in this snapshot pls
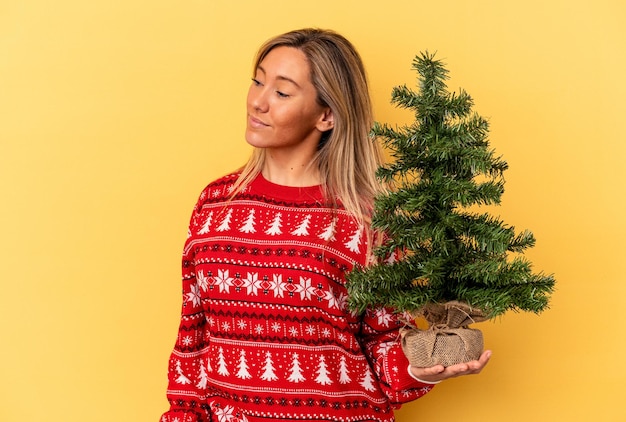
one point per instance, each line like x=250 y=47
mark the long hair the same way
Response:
x=347 y=158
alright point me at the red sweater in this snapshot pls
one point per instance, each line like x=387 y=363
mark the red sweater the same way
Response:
x=265 y=333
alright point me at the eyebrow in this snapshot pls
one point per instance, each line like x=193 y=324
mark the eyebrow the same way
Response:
x=280 y=77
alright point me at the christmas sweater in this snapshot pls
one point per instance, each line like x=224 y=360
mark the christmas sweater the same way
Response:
x=265 y=332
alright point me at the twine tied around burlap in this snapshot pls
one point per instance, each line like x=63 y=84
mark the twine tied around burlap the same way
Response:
x=448 y=340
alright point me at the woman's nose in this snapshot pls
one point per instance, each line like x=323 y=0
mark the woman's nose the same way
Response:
x=257 y=97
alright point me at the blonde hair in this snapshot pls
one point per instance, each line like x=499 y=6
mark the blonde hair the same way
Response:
x=347 y=158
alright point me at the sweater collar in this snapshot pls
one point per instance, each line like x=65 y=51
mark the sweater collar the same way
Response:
x=272 y=190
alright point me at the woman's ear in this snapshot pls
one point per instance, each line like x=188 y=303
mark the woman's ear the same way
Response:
x=327 y=121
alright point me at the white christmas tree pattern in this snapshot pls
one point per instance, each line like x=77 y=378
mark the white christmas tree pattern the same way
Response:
x=269 y=373
x=181 y=379
x=275 y=228
x=355 y=240
x=209 y=368
x=243 y=366
x=203 y=378
x=322 y=372
x=295 y=372
x=344 y=371
x=329 y=232
x=368 y=380
x=207 y=224
x=303 y=227
x=221 y=363
x=248 y=226
x=225 y=224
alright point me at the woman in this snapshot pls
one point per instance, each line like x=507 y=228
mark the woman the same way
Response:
x=265 y=332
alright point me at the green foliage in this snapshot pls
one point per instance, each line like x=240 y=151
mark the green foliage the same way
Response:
x=442 y=169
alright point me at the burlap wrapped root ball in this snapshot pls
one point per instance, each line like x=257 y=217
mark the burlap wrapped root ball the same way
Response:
x=448 y=340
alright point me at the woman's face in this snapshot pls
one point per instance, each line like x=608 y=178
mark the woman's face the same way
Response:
x=283 y=112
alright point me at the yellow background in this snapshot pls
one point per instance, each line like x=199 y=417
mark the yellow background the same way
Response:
x=115 y=114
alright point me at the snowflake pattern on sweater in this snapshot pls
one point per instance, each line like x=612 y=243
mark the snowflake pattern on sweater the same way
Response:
x=265 y=331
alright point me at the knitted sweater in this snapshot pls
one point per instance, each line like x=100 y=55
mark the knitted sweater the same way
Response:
x=265 y=332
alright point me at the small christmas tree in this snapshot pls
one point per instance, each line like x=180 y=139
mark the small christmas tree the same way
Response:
x=443 y=171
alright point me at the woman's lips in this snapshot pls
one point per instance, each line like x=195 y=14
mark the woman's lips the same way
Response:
x=256 y=123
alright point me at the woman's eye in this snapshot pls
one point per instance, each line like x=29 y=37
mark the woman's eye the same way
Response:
x=256 y=82
x=282 y=94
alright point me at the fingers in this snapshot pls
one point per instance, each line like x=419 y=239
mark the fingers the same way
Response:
x=439 y=372
x=470 y=368
x=478 y=365
x=434 y=370
x=429 y=375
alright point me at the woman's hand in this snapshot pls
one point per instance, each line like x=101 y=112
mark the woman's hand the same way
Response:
x=437 y=373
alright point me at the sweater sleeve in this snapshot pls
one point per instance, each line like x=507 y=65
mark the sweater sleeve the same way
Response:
x=187 y=367
x=381 y=342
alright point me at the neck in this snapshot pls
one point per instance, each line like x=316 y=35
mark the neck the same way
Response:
x=292 y=172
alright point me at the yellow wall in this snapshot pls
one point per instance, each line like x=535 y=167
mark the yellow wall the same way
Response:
x=114 y=115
